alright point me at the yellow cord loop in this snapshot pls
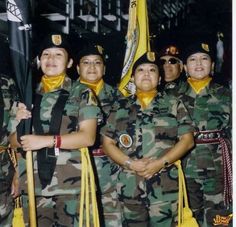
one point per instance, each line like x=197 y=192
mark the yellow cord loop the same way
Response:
x=88 y=192
x=185 y=216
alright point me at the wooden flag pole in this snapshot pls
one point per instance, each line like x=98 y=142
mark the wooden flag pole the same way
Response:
x=31 y=194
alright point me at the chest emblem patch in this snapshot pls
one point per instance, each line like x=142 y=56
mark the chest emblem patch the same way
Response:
x=126 y=140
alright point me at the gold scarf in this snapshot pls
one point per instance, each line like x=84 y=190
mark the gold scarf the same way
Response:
x=50 y=83
x=146 y=97
x=198 y=85
x=96 y=87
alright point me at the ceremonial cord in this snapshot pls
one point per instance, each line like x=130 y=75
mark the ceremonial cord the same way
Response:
x=88 y=186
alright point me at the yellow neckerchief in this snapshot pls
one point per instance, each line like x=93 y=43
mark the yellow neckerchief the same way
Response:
x=146 y=97
x=96 y=87
x=198 y=85
x=50 y=83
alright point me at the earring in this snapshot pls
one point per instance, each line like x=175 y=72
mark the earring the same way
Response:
x=38 y=63
x=212 y=72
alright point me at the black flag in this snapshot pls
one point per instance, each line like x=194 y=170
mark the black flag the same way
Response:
x=20 y=37
x=18 y=13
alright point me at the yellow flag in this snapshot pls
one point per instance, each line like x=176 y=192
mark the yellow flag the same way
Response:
x=138 y=42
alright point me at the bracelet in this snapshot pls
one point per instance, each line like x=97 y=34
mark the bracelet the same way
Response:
x=57 y=144
x=58 y=141
x=54 y=141
x=127 y=163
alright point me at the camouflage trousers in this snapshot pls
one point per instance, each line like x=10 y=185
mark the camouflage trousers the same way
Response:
x=109 y=205
x=55 y=211
x=63 y=211
x=110 y=211
x=6 y=209
x=162 y=214
x=206 y=201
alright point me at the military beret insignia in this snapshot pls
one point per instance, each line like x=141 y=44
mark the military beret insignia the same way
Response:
x=56 y=40
x=126 y=140
x=100 y=49
x=173 y=50
x=151 y=56
x=205 y=47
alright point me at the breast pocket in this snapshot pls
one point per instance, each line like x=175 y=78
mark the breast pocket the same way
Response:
x=166 y=127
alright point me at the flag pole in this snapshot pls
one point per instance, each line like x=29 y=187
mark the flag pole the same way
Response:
x=31 y=194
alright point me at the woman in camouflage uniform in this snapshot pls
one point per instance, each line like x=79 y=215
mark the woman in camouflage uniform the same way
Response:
x=145 y=134
x=64 y=120
x=8 y=187
x=208 y=166
x=91 y=69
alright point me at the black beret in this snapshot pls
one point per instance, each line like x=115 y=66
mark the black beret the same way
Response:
x=199 y=47
x=171 y=50
x=148 y=57
x=91 y=49
x=55 y=40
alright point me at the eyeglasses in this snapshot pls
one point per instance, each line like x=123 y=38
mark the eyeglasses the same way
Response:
x=171 y=61
x=96 y=63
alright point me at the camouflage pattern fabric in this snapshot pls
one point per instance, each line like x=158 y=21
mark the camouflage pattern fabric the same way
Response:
x=9 y=95
x=105 y=169
x=81 y=105
x=173 y=87
x=6 y=209
x=148 y=133
x=61 y=210
x=203 y=167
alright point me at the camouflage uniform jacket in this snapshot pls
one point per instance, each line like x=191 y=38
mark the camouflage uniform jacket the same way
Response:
x=9 y=95
x=209 y=110
x=147 y=133
x=81 y=105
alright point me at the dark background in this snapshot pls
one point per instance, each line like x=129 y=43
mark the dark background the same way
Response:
x=195 y=19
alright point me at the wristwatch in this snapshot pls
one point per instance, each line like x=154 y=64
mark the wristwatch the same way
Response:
x=127 y=163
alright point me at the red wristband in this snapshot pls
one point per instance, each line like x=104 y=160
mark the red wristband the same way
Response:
x=58 y=142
